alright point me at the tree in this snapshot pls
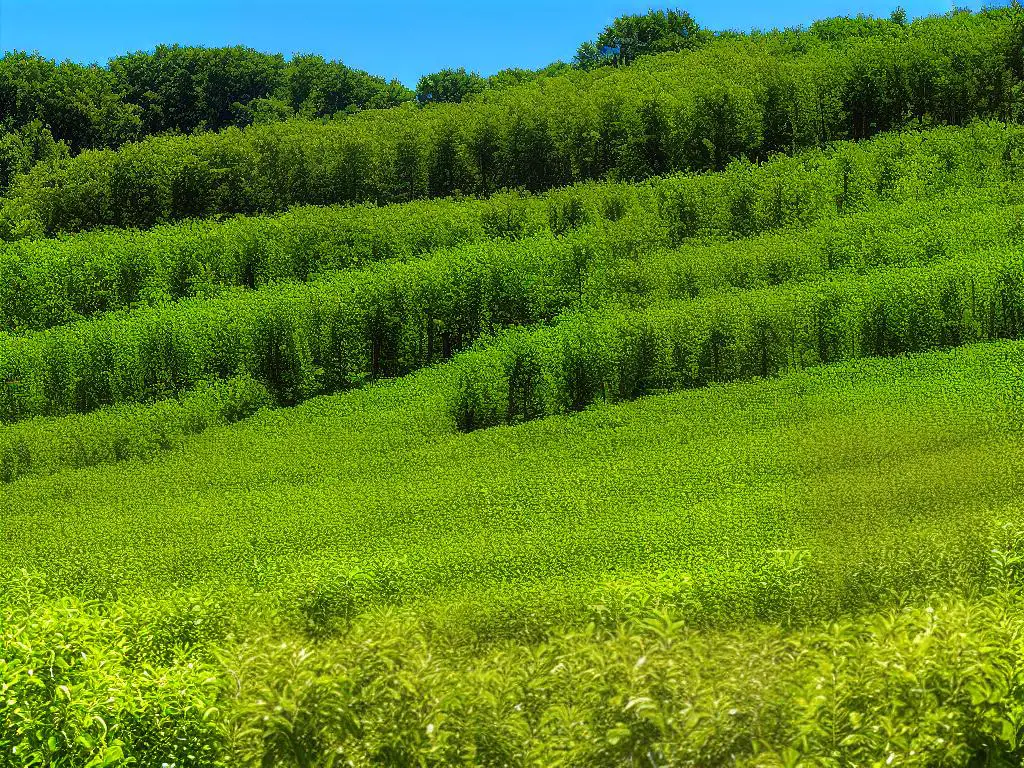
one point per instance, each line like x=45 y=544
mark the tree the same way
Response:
x=23 y=148
x=448 y=85
x=80 y=106
x=320 y=88
x=632 y=36
x=185 y=88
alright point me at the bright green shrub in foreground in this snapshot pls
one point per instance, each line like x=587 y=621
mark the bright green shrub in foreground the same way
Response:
x=931 y=683
x=920 y=686
x=81 y=688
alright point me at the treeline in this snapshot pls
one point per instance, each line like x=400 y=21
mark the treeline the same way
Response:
x=46 y=283
x=616 y=356
x=178 y=89
x=301 y=340
x=671 y=29
x=184 y=89
x=689 y=111
x=50 y=110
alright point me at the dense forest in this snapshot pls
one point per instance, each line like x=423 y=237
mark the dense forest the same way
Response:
x=49 y=110
x=741 y=96
x=183 y=89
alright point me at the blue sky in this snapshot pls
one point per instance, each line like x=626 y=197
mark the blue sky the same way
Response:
x=400 y=38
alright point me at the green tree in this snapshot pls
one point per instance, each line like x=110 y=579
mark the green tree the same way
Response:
x=320 y=88
x=448 y=85
x=638 y=35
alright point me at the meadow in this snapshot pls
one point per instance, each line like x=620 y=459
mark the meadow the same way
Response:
x=634 y=451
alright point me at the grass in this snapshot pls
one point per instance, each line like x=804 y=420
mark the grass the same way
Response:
x=504 y=585
x=387 y=485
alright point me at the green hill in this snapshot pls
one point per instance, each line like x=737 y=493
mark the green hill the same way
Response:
x=641 y=444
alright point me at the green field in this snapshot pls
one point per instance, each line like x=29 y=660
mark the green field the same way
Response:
x=669 y=454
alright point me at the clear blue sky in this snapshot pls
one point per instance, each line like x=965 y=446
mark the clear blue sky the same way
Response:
x=400 y=38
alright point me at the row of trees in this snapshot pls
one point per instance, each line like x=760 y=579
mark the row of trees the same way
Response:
x=663 y=31
x=305 y=339
x=51 y=282
x=183 y=89
x=528 y=374
x=694 y=111
x=298 y=339
x=178 y=89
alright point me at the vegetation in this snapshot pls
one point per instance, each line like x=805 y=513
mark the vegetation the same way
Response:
x=44 y=283
x=336 y=332
x=678 y=112
x=178 y=89
x=757 y=333
x=514 y=559
x=47 y=446
x=598 y=433
x=451 y=85
x=631 y=36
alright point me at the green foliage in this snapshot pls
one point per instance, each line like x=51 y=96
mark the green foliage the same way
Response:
x=653 y=32
x=76 y=695
x=808 y=642
x=732 y=336
x=345 y=328
x=177 y=89
x=21 y=149
x=45 y=446
x=744 y=97
x=448 y=85
x=389 y=319
x=53 y=282
x=699 y=469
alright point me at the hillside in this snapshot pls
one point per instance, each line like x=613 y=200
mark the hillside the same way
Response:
x=696 y=110
x=661 y=410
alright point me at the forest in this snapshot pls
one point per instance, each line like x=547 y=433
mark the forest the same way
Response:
x=659 y=407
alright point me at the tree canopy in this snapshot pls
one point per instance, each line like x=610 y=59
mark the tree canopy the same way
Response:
x=628 y=37
x=178 y=89
x=448 y=85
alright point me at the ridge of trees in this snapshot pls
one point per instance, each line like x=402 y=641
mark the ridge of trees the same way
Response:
x=695 y=111
x=174 y=88
x=50 y=109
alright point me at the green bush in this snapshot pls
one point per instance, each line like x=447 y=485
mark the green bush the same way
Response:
x=612 y=355
x=43 y=446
